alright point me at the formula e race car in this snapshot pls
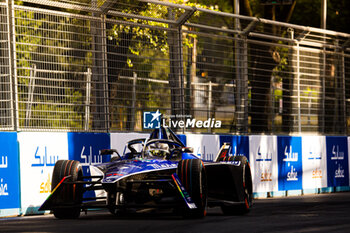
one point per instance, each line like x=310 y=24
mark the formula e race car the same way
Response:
x=158 y=172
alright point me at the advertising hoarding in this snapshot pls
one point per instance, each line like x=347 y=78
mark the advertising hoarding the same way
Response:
x=85 y=148
x=205 y=147
x=290 y=168
x=39 y=152
x=9 y=172
x=119 y=140
x=314 y=162
x=240 y=144
x=337 y=161
x=263 y=162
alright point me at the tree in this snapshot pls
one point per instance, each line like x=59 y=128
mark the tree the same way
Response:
x=41 y=46
x=307 y=13
x=145 y=48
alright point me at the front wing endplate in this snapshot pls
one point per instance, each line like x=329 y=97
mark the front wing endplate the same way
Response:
x=185 y=195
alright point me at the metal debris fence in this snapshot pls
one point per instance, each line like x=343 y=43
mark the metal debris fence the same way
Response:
x=96 y=66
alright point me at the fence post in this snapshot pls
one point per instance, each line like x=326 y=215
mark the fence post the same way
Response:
x=176 y=69
x=12 y=63
x=133 y=101
x=210 y=99
x=337 y=122
x=88 y=98
x=105 y=94
x=298 y=87
x=245 y=84
x=323 y=111
x=31 y=87
x=99 y=72
x=241 y=84
x=344 y=93
x=176 y=77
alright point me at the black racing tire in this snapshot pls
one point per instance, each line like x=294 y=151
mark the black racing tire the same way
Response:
x=193 y=177
x=247 y=186
x=70 y=194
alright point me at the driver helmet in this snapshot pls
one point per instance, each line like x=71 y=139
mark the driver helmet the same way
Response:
x=158 y=150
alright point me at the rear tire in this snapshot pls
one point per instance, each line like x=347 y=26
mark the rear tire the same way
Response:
x=193 y=177
x=247 y=186
x=70 y=195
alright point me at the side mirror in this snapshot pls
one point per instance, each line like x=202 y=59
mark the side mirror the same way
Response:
x=187 y=149
x=108 y=151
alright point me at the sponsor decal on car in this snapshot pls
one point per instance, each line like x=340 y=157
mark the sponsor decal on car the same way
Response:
x=164 y=165
x=235 y=163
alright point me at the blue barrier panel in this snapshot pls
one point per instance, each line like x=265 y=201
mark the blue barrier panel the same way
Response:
x=290 y=168
x=240 y=144
x=9 y=174
x=85 y=147
x=337 y=161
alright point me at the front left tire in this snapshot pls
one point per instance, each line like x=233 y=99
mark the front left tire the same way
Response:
x=193 y=177
x=70 y=197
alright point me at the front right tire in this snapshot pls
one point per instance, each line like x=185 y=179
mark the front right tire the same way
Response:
x=247 y=189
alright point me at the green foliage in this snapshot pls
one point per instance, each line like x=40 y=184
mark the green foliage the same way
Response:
x=307 y=13
x=147 y=53
x=149 y=38
x=48 y=42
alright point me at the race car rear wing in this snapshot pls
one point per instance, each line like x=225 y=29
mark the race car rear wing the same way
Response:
x=223 y=152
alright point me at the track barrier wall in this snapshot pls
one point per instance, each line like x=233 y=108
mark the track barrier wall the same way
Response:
x=281 y=165
x=9 y=174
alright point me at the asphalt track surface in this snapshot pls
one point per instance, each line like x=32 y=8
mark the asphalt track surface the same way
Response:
x=309 y=213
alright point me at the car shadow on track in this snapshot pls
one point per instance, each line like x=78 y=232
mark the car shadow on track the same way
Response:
x=146 y=214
